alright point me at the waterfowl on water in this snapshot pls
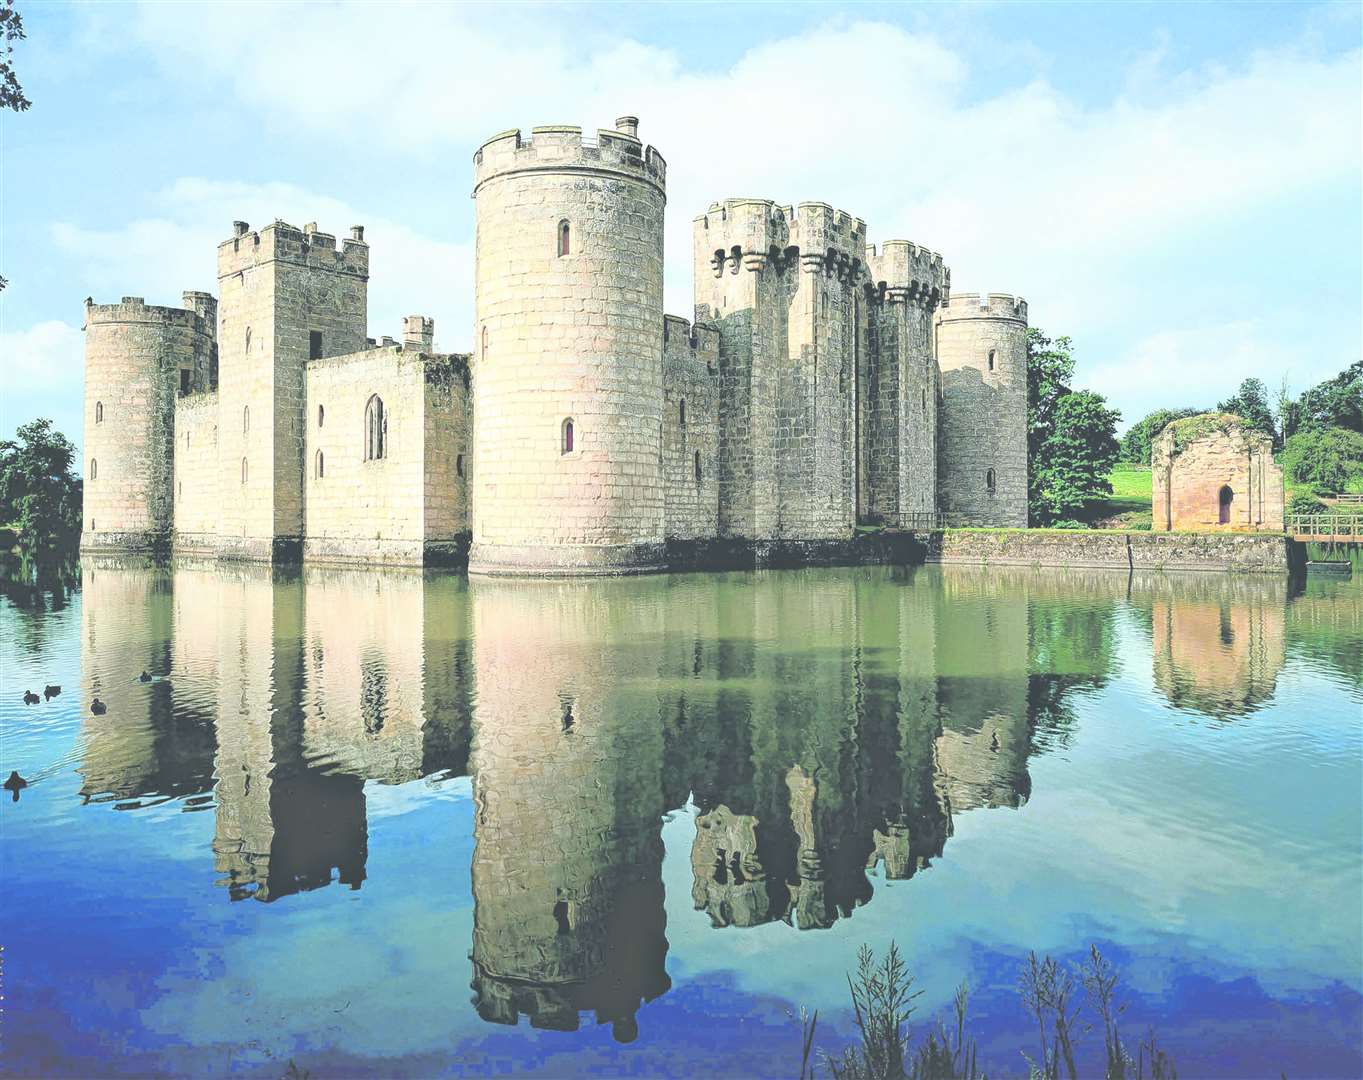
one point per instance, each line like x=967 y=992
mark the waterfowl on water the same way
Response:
x=50 y=691
x=30 y=698
x=144 y=677
x=14 y=783
x=98 y=707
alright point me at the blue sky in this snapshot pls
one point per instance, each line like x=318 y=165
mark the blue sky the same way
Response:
x=1177 y=187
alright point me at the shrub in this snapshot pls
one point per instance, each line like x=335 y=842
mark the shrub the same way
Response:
x=1329 y=459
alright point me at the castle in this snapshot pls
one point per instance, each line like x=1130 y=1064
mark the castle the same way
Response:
x=824 y=384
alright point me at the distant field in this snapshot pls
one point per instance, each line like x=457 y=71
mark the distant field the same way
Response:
x=1129 y=507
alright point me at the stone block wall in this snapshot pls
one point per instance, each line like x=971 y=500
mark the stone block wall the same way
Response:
x=982 y=430
x=134 y=354
x=197 y=507
x=690 y=428
x=569 y=272
x=448 y=452
x=1212 y=471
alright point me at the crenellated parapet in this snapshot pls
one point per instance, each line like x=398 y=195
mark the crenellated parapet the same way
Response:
x=695 y=344
x=561 y=148
x=984 y=306
x=757 y=234
x=134 y=309
x=831 y=242
x=305 y=247
x=904 y=272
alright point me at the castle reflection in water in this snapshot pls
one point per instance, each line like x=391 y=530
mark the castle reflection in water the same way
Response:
x=827 y=725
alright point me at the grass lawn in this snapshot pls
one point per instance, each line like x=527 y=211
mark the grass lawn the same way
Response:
x=1129 y=507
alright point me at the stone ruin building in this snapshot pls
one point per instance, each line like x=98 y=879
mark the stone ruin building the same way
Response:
x=1213 y=471
x=825 y=383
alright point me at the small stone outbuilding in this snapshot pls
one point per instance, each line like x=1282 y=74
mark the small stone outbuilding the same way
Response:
x=1213 y=471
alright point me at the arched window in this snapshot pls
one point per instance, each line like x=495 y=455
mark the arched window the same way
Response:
x=1224 y=499
x=375 y=429
x=244 y=470
x=990 y=481
x=681 y=411
x=459 y=464
x=696 y=466
x=321 y=415
x=321 y=465
x=991 y=359
x=567 y=444
x=99 y=412
x=246 y=419
x=565 y=239
x=94 y=469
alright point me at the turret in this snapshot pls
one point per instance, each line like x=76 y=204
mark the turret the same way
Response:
x=137 y=358
x=982 y=426
x=568 y=414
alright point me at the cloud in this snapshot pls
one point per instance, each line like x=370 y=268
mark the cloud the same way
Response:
x=35 y=360
x=159 y=257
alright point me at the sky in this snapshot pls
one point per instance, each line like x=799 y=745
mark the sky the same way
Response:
x=1176 y=187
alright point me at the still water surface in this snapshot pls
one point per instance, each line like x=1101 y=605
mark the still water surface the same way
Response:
x=407 y=824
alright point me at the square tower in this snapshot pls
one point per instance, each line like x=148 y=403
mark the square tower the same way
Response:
x=286 y=295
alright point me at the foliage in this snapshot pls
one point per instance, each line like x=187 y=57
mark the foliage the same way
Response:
x=1336 y=402
x=1136 y=442
x=882 y=998
x=1075 y=459
x=1305 y=502
x=1050 y=367
x=1250 y=403
x=1327 y=458
x=947 y=1055
x=1047 y=992
x=11 y=29
x=38 y=491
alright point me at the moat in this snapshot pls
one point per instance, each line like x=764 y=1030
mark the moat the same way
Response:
x=410 y=824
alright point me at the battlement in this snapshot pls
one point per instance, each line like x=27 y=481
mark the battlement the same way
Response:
x=904 y=269
x=282 y=242
x=984 y=306
x=700 y=339
x=134 y=309
x=560 y=148
x=418 y=331
x=756 y=232
x=818 y=225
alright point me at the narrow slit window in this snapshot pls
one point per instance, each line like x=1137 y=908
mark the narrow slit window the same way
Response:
x=321 y=415
x=459 y=465
x=94 y=469
x=245 y=471
x=567 y=442
x=246 y=420
x=375 y=429
x=991 y=359
x=248 y=341
x=321 y=465
x=99 y=412
x=565 y=239
x=184 y=381
x=695 y=465
x=314 y=344
x=990 y=481
x=681 y=411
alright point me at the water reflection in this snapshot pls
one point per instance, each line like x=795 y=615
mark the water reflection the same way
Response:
x=826 y=726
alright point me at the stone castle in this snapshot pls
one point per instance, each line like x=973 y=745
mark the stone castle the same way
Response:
x=823 y=384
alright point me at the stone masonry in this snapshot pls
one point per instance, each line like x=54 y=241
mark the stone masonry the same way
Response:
x=824 y=384
x=1213 y=471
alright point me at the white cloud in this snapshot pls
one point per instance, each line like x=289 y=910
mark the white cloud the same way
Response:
x=46 y=357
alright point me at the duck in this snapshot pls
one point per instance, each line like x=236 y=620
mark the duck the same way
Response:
x=98 y=707
x=50 y=691
x=14 y=784
x=30 y=698
x=144 y=677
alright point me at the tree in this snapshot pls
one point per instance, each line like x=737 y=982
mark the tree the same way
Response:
x=1050 y=367
x=12 y=29
x=1077 y=456
x=38 y=491
x=1326 y=458
x=1336 y=402
x=1250 y=404
x=1136 y=442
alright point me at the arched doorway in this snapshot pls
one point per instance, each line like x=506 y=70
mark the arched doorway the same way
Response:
x=1224 y=501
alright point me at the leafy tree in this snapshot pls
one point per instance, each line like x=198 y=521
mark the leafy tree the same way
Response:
x=1326 y=458
x=1336 y=402
x=11 y=29
x=1136 y=442
x=1077 y=456
x=1250 y=403
x=1050 y=367
x=38 y=491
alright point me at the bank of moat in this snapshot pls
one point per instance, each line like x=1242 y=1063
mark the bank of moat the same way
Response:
x=823 y=383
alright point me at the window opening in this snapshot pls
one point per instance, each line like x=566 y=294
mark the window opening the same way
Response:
x=314 y=344
x=1224 y=499
x=375 y=429
x=565 y=239
x=567 y=447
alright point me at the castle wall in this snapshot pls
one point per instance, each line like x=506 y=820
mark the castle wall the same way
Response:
x=983 y=420
x=277 y=287
x=568 y=338
x=197 y=473
x=134 y=356
x=448 y=452
x=1194 y=459
x=690 y=443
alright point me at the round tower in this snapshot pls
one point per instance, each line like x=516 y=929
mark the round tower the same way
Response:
x=982 y=421
x=567 y=419
x=137 y=358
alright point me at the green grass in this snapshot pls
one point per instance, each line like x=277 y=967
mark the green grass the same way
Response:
x=1129 y=507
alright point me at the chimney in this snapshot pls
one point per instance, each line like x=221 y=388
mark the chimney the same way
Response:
x=627 y=125
x=239 y=228
x=357 y=233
